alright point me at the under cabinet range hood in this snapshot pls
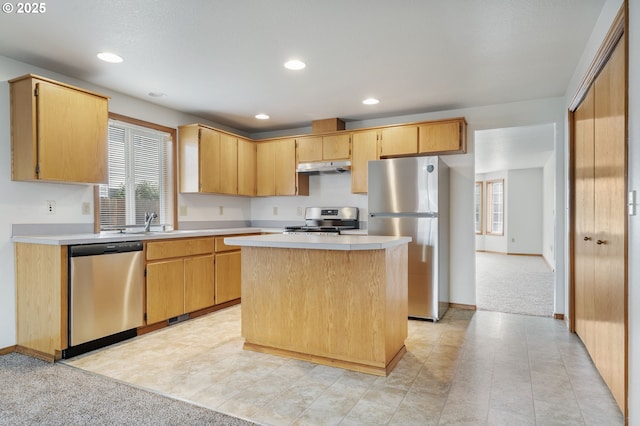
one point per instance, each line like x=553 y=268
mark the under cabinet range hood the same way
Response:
x=318 y=167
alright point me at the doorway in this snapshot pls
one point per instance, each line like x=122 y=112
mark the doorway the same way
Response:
x=515 y=219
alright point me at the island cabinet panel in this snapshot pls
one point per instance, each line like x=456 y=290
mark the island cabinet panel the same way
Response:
x=58 y=132
x=335 y=307
x=41 y=300
x=364 y=148
x=443 y=137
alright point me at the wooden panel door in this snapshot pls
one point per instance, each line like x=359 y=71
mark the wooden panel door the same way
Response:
x=309 y=149
x=165 y=290
x=265 y=169
x=285 y=166
x=363 y=149
x=440 y=137
x=209 y=160
x=246 y=167
x=610 y=223
x=72 y=134
x=336 y=147
x=228 y=164
x=199 y=288
x=228 y=276
x=584 y=238
x=399 y=140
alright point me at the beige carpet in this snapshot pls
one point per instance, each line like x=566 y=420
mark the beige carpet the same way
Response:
x=33 y=392
x=514 y=284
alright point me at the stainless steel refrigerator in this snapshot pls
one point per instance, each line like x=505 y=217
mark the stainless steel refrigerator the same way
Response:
x=410 y=197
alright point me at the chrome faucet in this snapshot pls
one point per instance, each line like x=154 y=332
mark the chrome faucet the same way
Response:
x=148 y=218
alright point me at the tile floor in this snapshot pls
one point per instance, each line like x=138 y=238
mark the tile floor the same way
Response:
x=471 y=368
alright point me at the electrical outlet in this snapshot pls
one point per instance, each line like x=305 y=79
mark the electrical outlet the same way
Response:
x=221 y=210
x=51 y=207
x=275 y=211
x=182 y=210
x=86 y=208
x=300 y=211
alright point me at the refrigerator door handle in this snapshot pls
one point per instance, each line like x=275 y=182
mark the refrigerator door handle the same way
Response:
x=412 y=214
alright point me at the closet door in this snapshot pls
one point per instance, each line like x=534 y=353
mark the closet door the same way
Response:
x=610 y=218
x=584 y=241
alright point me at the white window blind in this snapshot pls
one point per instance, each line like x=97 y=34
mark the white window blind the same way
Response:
x=495 y=191
x=140 y=162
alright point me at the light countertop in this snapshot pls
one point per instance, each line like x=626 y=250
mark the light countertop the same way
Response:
x=114 y=236
x=318 y=242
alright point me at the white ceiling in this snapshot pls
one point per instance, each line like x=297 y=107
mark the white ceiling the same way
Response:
x=222 y=60
x=513 y=148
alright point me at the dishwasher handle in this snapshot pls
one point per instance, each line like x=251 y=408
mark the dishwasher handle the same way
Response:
x=104 y=248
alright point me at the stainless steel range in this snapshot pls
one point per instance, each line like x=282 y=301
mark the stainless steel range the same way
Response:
x=326 y=221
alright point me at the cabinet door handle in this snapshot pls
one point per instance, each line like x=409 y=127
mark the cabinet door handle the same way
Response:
x=601 y=242
x=587 y=238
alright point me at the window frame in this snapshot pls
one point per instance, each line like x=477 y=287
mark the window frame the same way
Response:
x=479 y=184
x=173 y=169
x=489 y=207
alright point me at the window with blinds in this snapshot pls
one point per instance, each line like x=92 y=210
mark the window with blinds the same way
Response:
x=139 y=176
x=495 y=206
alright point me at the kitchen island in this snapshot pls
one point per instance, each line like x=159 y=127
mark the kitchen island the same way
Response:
x=333 y=300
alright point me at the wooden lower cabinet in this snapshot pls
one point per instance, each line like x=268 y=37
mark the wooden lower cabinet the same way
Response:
x=228 y=276
x=189 y=275
x=165 y=290
x=199 y=289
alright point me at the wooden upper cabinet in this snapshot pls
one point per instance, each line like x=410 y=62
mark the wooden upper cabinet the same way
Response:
x=59 y=132
x=208 y=160
x=247 y=167
x=398 y=140
x=228 y=164
x=319 y=148
x=309 y=149
x=443 y=137
x=276 y=169
x=336 y=147
x=265 y=169
x=364 y=148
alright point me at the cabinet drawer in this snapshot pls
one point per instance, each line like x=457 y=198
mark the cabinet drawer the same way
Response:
x=179 y=248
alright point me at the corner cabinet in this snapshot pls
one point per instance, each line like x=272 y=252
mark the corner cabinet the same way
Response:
x=58 y=132
x=208 y=160
x=276 y=169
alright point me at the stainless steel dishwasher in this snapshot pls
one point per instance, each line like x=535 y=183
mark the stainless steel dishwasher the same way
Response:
x=106 y=284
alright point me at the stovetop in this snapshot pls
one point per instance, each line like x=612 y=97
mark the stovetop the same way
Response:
x=326 y=221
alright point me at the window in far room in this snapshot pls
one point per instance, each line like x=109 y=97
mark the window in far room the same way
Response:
x=140 y=175
x=478 y=207
x=495 y=207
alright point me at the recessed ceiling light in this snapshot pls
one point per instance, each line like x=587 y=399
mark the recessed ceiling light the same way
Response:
x=110 y=57
x=370 y=101
x=262 y=116
x=294 y=64
x=157 y=94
